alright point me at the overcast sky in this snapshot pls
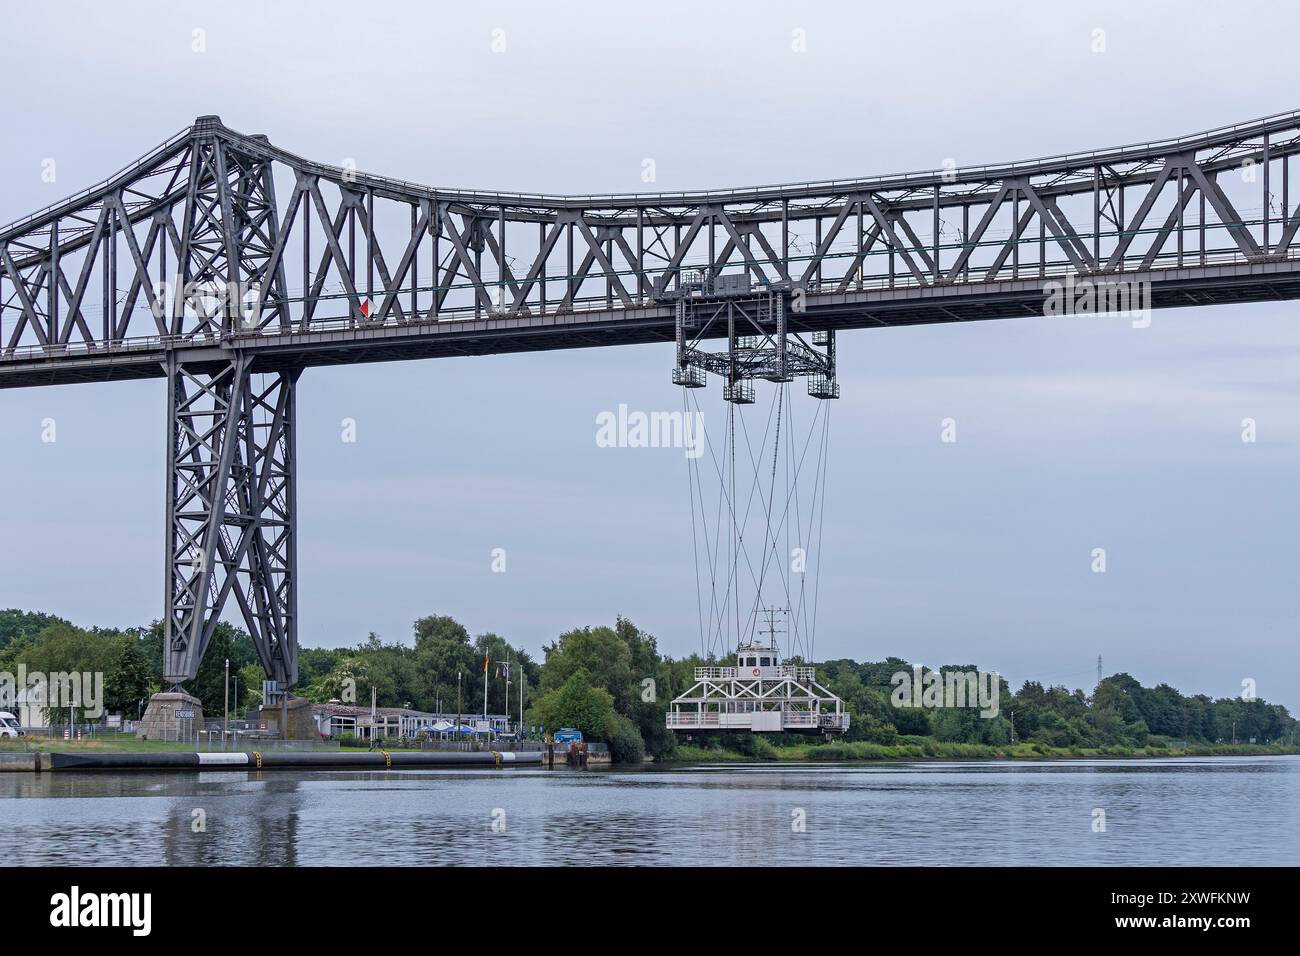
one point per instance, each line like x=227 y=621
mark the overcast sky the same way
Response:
x=1072 y=434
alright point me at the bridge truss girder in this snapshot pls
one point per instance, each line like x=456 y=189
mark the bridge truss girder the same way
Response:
x=342 y=265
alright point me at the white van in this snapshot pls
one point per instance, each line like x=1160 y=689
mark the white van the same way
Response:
x=9 y=725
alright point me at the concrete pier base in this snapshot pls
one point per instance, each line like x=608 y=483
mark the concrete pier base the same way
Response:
x=173 y=715
x=19 y=763
x=301 y=725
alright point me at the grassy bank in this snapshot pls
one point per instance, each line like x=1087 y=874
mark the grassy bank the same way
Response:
x=124 y=743
x=909 y=749
x=940 y=750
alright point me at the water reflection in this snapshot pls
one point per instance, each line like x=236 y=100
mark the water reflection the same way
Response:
x=1231 y=811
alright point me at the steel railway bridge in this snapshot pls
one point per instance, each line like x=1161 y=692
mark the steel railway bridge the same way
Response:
x=227 y=266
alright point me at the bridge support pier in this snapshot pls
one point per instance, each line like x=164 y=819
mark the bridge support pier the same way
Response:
x=231 y=512
x=173 y=715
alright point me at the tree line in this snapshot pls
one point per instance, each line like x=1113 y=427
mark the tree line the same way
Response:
x=613 y=683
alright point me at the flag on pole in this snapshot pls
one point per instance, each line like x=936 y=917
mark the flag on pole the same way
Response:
x=485 y=663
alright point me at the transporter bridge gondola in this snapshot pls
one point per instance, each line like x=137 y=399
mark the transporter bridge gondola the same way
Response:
x=759 y=694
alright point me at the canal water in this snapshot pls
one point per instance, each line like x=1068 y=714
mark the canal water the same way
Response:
x=1220 y=811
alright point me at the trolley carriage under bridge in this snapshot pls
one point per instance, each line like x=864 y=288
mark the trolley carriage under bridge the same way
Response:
x=758 y=697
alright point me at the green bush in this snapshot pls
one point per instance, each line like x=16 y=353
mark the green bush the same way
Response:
x=576 y=703
x=625 y=743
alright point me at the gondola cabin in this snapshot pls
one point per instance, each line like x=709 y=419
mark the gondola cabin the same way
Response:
x=758 y=694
